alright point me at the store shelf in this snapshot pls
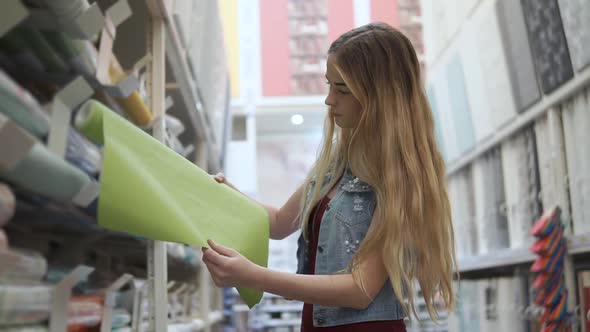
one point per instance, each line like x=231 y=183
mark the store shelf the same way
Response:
x=178 y=62
x=39 y=223
x=282 y=307
x=578 y=244
x=281 y=322
x=494 y=264
x=579 y=81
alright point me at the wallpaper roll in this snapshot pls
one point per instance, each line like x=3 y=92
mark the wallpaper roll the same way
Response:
x=50 y=58
x=82 y=153
x=67 y=10
x=74 y=51
x=17 y=49
x=42 y=172
x=7 y=204
x=576 y=121
x=22 y=266
x=21 y=107
x=548 y=43
x=493 y=65
x=24 y=304
x=144 y=183
x=575 y=15
x=518 y=51
x=134 y=106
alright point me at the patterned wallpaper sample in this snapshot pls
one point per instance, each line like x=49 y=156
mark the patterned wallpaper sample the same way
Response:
x=548 y=43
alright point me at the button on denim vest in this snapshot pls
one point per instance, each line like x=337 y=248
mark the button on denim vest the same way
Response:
x=343 y=228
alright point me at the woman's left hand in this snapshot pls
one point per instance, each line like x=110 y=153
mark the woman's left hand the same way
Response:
x=227 y=267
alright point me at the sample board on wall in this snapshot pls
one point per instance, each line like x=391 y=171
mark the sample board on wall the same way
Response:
x=477 y=93
x=493 y=64
x=519 y=57
x=548 y=43
x=459 y=104
x=449 y=130
x=575 y=15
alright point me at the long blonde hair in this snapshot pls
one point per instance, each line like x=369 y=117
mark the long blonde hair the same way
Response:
x=393 y=149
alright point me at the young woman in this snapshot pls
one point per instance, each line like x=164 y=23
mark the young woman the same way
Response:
x=374 y=211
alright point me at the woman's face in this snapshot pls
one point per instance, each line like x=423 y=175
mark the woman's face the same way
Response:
x=344 y=107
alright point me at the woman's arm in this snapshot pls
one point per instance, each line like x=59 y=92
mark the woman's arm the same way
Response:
x=229 y=269
x=283 y=221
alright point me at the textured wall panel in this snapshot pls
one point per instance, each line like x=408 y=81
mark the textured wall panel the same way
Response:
x=548 y=43
x=518 y=52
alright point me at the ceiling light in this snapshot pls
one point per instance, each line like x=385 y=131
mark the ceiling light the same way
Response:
x=297 y=119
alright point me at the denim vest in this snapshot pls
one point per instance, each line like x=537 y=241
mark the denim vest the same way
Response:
x=342 y=230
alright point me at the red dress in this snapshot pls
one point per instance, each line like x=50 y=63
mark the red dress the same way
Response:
x=307 y=315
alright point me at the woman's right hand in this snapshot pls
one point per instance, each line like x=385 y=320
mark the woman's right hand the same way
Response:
x=220 y=178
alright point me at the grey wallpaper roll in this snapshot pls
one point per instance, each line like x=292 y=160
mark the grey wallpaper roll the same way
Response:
x=7 y=204
x=575 y=15
x=518 y=53
x=548 y=43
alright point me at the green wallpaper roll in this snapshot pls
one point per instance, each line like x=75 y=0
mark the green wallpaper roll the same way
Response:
x=46 y=174
x=149 y=190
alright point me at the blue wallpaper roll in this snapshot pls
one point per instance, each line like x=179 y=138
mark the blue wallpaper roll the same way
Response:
x=548 y=43
x=518 y=54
